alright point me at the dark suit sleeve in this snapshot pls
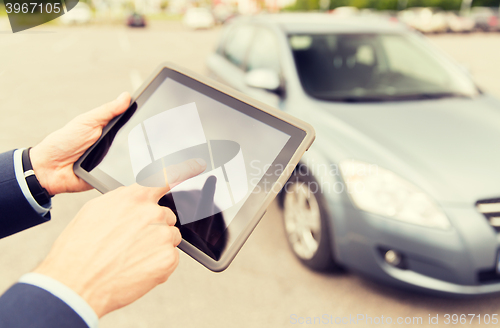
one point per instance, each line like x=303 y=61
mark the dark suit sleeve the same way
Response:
x=16 y=214
x=24 y=306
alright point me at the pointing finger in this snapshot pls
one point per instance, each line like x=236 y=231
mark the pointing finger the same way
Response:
x=178 y=173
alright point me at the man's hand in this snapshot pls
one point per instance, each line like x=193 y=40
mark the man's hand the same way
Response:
x=54 y=157
x=120 y=245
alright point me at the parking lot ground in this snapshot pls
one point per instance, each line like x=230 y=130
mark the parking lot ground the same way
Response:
x=50 y=74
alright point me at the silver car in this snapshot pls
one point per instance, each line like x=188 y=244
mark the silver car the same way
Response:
x=403 y=181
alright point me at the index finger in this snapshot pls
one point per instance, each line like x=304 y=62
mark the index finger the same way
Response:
x=178 y=173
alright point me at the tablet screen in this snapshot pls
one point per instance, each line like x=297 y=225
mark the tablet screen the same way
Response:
x=175 y=122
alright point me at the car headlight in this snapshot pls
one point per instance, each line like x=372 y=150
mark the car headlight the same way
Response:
x=380 y=191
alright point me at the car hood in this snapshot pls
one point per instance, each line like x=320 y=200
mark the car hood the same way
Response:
x=448 y=147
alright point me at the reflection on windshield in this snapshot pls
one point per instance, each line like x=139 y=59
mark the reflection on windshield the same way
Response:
x=375 y=67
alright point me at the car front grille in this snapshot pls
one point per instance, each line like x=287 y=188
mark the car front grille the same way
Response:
x=491 y=210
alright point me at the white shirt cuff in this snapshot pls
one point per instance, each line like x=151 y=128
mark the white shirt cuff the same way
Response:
x=66 y=294
x=18 y=169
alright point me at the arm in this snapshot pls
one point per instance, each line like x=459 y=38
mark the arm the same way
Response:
x=26 y=305
x=118 y=247
x=16 y=213
x=52 y=162
x=42 y=299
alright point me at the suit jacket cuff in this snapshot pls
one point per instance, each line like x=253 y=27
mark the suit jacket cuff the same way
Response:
x=18 y=169
x=66 y=294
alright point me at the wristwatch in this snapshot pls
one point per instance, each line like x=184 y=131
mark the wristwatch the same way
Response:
x=38 y=192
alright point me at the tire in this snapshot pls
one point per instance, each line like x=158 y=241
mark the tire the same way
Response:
x=306 y=222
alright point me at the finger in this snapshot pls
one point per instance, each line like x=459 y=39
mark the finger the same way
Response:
x=176 y=236
x=170 y=260
x=175 y=174
x=105 y=113
x=165 y=217
x=178 y=173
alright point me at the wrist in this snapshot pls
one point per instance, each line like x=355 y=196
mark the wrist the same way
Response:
x=40 y=168
x=77 y=284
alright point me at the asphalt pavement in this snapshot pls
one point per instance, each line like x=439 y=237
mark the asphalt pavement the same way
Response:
x=50 y=74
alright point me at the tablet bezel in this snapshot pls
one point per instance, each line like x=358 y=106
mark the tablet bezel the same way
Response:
x=148 y=88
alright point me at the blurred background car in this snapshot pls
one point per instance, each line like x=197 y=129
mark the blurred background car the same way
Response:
x=198 y=18
x=485 y=18
x=401 y=184
x=80 y=14
x=458 y=23
x=425 y=20
x=223 y=13
x=346 y=11
x=136 y=20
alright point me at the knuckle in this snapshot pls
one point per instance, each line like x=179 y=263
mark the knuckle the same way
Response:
x=162 y=278
x=152 y=214
x=176 y=236
x=171 y=217
x=171 y=259
x=158 y=213
x=139 y=194
x=167 y=236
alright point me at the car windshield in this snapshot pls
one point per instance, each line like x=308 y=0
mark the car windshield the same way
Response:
x=376 y=67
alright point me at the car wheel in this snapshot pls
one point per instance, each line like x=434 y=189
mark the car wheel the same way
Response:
x=305 y=219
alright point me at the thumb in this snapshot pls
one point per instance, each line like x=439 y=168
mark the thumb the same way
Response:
x=105 y=113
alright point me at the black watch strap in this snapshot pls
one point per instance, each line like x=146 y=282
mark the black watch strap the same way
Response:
x=39 y=193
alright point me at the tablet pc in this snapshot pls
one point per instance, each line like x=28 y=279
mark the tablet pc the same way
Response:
x=250 y=149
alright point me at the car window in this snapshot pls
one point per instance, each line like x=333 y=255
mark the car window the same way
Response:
x=264 y=52
x=400 y=52
x=237 y=43
x=372 y=66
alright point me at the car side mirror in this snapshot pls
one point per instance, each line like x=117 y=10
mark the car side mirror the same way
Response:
x=263 y=78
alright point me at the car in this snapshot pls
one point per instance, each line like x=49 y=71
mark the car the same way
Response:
x=486 y=18
x=223 y=13
x=458 y=23
x=198 y=18
x=345 y=11
x=425 y=20
x=402 y=182
x=136 y=20
x=80 y=14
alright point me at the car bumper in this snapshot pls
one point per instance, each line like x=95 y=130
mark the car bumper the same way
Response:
x=450 y=262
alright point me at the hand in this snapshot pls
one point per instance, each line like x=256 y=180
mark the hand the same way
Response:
x=54 y=157
x=120 y=245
